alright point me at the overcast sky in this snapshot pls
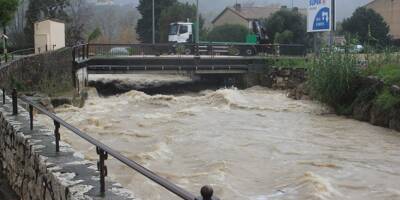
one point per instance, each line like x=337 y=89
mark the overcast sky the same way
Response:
x=344 y=8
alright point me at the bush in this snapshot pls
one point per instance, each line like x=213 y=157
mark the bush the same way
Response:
x=333 y=79
x=386 y=100
x=292 y=62
x=390 y=74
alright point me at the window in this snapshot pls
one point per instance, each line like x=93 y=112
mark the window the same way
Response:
x=173 y=29
x=183 y=29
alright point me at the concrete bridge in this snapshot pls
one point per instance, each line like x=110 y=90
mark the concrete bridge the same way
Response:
x=213 y=61
x=122 y=59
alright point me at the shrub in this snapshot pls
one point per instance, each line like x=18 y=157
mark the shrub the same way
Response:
x=386 y=100
x=333 y=79
x=390 y=74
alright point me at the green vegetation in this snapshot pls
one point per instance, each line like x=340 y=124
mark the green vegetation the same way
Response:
x=287 y=26
x=368 y=26
x=95 y=34
x=390 y=74
x=386 y=100
x=338 y=80
x=228 y=33
x=332 y=78
x=292 y=63
x=7 y=10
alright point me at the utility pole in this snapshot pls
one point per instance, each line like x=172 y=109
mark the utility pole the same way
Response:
x=197 y=28
x=197 y=23
x=154 y=26
x=292 y=4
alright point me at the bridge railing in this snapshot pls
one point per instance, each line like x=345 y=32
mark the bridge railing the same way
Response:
x=85 y=51
x=103 y=151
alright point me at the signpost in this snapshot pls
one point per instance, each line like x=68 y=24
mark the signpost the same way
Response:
x=321 y=15
x=321 y=18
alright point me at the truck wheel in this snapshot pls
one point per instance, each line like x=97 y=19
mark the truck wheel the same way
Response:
x=188 y=51
x=249 y=52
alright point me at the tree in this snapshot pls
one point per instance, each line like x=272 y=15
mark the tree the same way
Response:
x=42 y=9
x=179 y=12
x=145 y=24
x=7 y=10
x=228 y=33
x=16 y=27
x=96 y=33
x=368 y=26
x=287 y=26
x=79 y=12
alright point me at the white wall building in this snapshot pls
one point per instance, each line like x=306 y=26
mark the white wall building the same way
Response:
x=49 y=35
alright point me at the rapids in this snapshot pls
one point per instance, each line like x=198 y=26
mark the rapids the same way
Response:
x=253 y=144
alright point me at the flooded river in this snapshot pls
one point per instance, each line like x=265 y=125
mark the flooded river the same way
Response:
x=253 y=144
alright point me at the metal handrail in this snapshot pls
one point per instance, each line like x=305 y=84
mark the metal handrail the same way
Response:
x=103 y=151
x=84 y=51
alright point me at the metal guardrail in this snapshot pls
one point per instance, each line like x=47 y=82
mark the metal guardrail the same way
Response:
x=103 y=151
x=84 y=51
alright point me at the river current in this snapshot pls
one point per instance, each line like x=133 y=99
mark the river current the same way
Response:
x=253 y=144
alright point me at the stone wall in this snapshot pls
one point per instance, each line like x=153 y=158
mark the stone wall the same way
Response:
x=48 y=73
x=34 y=169
x=284 y=78
x=364 y=107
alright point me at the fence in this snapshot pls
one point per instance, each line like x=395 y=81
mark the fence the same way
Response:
x=26 y=52
x=85 y=51
x=103 y=151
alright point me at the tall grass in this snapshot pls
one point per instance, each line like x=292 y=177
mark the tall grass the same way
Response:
x=333 y=77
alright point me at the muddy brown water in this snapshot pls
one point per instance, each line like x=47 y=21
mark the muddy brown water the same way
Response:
x=253 y=144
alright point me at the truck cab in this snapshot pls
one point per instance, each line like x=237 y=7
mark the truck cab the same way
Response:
x=181 y=32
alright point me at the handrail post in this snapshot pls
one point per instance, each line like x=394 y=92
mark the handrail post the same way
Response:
x=31 y=116
x=102 y=168
x=73 y=53
x=57 y=135
x=87 y=50
x=83 y=52
x=14 y=97
x=4 y=96
x=207 y=193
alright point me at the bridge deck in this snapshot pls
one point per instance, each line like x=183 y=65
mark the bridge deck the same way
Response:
x=171 y=63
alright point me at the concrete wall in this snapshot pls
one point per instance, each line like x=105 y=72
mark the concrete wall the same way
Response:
x=284 y=78
x=49 y=73
x=35 y=171
x=57 y=35
x=49 y=34
x=390 y=11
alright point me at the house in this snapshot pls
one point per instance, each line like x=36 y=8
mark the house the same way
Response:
x=244 y=15
x=49 y=35
x=390 y=11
